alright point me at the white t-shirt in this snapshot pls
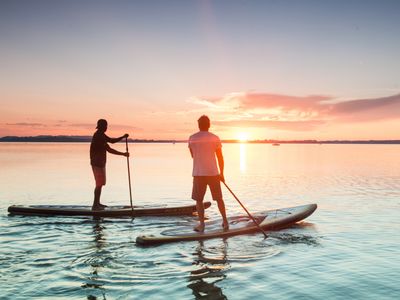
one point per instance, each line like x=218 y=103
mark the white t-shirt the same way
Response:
x=203 y=145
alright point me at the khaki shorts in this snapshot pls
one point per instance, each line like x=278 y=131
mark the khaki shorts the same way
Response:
x=200 y=184
x=99 y=175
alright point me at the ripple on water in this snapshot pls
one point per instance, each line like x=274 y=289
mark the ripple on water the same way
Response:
x=294 y=238
x=120 y=265
x=100 y=258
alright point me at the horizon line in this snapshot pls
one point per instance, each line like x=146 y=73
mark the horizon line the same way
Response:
x=86 y=138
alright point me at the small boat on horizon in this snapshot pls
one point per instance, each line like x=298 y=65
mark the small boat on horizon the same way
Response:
x=276 y=144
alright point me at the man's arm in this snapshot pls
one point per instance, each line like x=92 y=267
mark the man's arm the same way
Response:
x=220 y=159
x=116 y=140
x=113 y=151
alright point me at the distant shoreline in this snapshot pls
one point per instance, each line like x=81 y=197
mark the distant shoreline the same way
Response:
x=86 y=139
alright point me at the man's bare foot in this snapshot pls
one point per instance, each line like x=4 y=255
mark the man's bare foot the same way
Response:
x=199 y=228
x=103 y=206
x=98 y=207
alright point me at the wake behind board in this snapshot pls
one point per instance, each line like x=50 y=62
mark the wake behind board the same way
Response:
x=269 y=220
x=111 y=211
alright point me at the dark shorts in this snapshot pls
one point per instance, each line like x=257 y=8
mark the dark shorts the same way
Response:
x=200 y=186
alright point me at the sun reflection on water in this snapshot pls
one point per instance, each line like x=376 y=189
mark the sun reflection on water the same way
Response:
x=243 y=158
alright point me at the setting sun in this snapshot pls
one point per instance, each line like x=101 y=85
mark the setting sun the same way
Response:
x=243 y=136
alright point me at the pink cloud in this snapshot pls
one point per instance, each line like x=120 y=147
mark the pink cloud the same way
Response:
x=262 y=100
x=368 y=109
x=297 y=113
x=63 y=127
x=283 y=101
x=92 y=126
x=284 y=125
x=26 y=124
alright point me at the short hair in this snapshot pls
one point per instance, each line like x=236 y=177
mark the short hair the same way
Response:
x=204 y=122
x=101 y=124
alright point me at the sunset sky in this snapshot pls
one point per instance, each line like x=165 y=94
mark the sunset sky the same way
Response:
x=260 y=69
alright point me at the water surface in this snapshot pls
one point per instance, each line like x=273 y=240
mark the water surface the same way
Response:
x=349 y=248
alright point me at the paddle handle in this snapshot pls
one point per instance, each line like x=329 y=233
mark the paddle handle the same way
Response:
x=129 y=173
x=251 y=217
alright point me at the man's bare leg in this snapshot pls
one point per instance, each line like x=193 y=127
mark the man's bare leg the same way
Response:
x=200 y=212
x=221 y=207
x=96 y=202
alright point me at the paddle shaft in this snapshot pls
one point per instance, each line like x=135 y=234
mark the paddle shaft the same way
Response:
x=251 y=217
x=129 y=173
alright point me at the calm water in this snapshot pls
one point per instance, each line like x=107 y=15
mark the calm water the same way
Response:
x=349 y=248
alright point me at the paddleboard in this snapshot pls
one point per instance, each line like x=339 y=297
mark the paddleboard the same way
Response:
x=111 y=211
x=269 y=220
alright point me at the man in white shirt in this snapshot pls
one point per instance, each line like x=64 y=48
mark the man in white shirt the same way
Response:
x=205 y=147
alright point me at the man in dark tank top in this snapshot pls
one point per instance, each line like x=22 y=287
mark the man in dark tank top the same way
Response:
x=98 y=158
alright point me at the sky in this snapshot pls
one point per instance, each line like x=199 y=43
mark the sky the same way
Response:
x=259 y=69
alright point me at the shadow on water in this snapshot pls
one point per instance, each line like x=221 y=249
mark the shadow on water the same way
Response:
x=203 y=281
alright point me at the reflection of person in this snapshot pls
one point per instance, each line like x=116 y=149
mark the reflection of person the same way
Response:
x=98 y=158
x=204 y=147
x=97 y=261
x=203 y=282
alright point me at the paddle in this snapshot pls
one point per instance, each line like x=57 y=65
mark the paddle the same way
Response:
x=251 y=217
x=129 y=174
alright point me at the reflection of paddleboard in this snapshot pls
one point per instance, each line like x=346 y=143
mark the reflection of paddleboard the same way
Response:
x=111 y=211
x=269 y=220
